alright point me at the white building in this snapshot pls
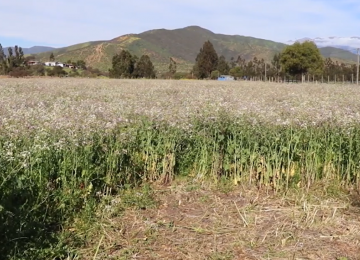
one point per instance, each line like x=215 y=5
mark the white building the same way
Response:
x=54 y=63
x=50 y=63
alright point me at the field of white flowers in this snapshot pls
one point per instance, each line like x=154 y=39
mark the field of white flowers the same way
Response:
x=84 y=104
x=65 y=143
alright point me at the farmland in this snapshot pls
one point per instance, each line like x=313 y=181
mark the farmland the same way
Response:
x=197 y=169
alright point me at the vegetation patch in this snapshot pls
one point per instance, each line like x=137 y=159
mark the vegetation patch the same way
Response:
x=87 y=172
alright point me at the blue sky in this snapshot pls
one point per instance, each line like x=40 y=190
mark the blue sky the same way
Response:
x=60 y=23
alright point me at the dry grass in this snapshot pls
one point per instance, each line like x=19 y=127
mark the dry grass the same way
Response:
x=198 y=222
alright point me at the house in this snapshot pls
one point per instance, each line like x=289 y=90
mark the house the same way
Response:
x=71 y=66
x=50 y=63
x=59 y=64
x=226 y=78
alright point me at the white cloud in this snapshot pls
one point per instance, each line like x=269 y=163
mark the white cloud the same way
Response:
x=65 y=22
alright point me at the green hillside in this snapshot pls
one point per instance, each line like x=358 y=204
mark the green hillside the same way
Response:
x=180 y=44
x=338 y=54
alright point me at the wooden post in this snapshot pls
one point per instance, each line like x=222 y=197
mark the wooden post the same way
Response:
x=335 y=79
x=352 y=78
x=343 y=79
x=328 y=79
x=322 y=78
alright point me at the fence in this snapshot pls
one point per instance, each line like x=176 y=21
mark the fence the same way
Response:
x=335 y=79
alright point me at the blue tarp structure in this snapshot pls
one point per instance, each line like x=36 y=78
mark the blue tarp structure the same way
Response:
x=225 y=77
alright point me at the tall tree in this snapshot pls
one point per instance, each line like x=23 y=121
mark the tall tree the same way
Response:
x=250 y=69
x=206 y=61
x=52 y=57
x=302 y=58
x=223 y=66
x=329 y=67
x=3 y=63
x=241 y=62
x=17 y=53
x=81 y=64
x=172 y=66
x=10 y=59
x=144 y=68
x=122 y=65
x=232 y=63
x=19 y=57
x=275 y=62
x=135 y=59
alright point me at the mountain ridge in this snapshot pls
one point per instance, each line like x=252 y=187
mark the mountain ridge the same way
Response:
x=182 y=44
x=31 y=50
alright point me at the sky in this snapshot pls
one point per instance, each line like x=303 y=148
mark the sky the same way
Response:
x=59 y=23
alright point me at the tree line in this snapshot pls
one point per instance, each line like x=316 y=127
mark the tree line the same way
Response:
x=300 y=61
x=125 y=65
x=297 y=62
x=12 y=61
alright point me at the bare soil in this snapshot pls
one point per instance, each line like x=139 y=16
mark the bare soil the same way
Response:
x=96 y=56
x=191 y=221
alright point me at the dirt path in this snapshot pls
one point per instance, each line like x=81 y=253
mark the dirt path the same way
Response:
x=97 y=55
x=190 y=222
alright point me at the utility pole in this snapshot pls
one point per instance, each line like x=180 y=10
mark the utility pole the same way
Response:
x=357 y=68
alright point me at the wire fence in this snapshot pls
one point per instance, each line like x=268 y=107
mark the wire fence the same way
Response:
x=327 y=79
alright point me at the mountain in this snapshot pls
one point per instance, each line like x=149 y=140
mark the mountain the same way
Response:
x=346 y=43
x=338 y=54
x=32 y=50
x=181 y=44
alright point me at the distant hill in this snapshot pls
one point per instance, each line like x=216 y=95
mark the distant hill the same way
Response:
x=180 y=44
x=339 y=54
x=345 y=43
x=32 y=50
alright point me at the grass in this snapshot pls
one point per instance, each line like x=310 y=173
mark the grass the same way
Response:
x=92 y=166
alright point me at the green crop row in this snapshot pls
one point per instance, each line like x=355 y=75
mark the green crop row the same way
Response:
x=49 y=180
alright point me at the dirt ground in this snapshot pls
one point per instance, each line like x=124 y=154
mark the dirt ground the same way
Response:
x=191 y=221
